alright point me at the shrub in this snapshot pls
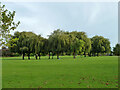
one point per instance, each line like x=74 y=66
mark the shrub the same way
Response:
x=16 y=54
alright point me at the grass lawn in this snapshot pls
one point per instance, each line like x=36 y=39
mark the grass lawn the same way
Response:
x=89 y=72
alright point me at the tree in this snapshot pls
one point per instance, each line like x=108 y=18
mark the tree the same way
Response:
x=82 y=36
x=6 y=24
x=57 y=42
x=106 y=48
x=38 y=42
x=51 y=45
x=20 y=45
x=76 y=46
x=24 y=44
x=100 y=45
x=116 y=50
x=44 y=49
x=30 y=42
x=73 y=43
x=69 y=39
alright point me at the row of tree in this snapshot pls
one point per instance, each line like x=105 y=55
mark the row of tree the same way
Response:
x=58 y=43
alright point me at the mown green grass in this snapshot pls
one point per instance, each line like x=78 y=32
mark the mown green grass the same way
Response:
x=89 y=72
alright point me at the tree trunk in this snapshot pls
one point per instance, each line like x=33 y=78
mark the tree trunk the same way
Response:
x=28 y=56
x=52 y=55
x=39 y=55
x=89 y=54
x=74 y=54
x=36 y=56
x=62 y=53
x=94 y=54
x=97 y=54
x=23 y=55
x=49 y=55
x=84 y=54
x=57 y=55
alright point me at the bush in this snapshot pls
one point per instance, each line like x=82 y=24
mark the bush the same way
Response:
x=16 y=54
x=6 y=53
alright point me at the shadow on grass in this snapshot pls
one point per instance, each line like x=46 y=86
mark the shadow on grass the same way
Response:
x=41 y=58
x=26 y=58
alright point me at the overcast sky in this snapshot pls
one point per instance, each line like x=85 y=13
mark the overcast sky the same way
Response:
x=94 y=18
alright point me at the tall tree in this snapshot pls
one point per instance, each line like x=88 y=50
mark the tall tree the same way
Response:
x=57 y=40
x=29 y=39
x=38 y=43
x=51 y=45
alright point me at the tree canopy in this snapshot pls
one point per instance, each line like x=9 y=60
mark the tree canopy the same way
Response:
x=100 y=45
x=59 y=43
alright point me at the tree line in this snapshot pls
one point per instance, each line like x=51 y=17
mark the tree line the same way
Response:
x=59 y=42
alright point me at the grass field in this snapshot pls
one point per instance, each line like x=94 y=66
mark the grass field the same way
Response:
x=89 y=72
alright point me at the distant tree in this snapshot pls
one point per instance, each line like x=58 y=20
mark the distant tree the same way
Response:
x=23 y=44
x=45 y=48
x=38 y=45
x=30 y=42
x=69 y=40
x=116 y=50
x=51 y=45
x=57 y=42
x=77 y=46
x=100 y=45
x=82 y=36
x=106 y=44
x=73 y=43
x=6 y=24
x=87 y=47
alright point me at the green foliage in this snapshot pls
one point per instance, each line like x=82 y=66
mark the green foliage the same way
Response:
x=12 y=42
x=59 y=42
x=6 y=24
x=16 y=54
x=100 y=45
x=87 y=42
x=116 y=50
x=24 y=49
